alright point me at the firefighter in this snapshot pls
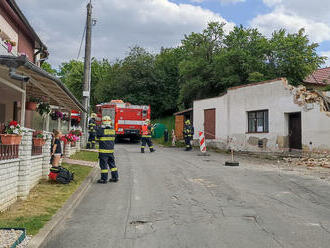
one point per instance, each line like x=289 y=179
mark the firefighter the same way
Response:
x=188 y=132
x=147 y=129
x=91 y=132
x=105 y=135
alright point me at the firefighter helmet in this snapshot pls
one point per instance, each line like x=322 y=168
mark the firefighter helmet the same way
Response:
x=106 y=120
x=93 y=115
x=187 y=122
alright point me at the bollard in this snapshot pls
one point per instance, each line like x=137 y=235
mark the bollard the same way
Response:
x=202 y=144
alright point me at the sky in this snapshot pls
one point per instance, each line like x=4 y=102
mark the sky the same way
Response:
x=153 y=24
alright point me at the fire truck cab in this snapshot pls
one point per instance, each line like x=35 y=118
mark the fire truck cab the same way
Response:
x=127 y=119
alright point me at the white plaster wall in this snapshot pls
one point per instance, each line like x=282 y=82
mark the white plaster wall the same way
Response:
x=316 y=129
x=231 y=116
x=8 y=30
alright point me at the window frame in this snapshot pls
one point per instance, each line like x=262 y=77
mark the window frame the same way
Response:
x=255 y=120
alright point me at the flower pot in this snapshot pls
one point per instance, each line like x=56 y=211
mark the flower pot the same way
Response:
x=38 y=141
x=31 y=106
x=10 y=139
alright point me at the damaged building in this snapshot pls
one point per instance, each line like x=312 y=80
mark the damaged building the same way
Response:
x=266 y=116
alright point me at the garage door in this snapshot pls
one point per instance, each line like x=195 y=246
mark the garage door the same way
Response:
x=209 y=123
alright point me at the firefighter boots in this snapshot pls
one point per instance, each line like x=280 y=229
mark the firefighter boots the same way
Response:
x=102 y=181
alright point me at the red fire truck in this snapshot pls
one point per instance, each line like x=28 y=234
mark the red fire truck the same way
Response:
x=127 y=119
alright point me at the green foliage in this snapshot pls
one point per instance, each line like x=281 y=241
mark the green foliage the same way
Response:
x=72 y=75
x=205 y=65
x=38 y=209
x=48 y=68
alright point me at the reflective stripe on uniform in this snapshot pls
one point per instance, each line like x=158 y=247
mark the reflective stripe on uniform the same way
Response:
x=93 y=142
x=146 y=136
x=151 y=147
x=105 y=151
x=104 y=171
x=109 y=132
x=107 y=138
x=142 y=146
x=114 y=169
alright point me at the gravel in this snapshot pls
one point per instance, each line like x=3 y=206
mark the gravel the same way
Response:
x=25 y=242
x=8 y=238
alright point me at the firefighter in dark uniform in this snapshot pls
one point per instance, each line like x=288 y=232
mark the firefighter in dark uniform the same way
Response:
x=188 y=132
x=147 y=130
x=106 y=135
x=91 y=132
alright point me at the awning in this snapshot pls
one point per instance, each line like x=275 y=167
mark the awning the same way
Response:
x=42 y=84
x=184 y=111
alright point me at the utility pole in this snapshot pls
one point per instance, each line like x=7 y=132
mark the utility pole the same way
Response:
x=87 y=67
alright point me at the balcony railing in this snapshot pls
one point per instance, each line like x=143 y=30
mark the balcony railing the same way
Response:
x=8 y=151
x=36 y=150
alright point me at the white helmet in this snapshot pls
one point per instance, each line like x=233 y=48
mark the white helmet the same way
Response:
x=106 y=120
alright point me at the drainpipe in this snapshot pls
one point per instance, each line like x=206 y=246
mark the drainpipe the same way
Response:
x=16 y=76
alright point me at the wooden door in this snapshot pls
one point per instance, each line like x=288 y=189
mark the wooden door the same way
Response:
x=209 y=123
x=179 y=122
x=295 y=136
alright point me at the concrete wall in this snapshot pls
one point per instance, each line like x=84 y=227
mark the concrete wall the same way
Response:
x=277 y=98
x=19 y=176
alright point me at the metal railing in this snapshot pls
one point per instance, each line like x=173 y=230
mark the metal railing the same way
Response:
x=8 y=151
x=36 y=150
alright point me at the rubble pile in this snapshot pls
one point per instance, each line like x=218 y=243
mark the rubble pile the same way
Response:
x=303 y=97
x=309 y=162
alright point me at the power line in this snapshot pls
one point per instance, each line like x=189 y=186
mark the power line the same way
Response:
x=82 y=40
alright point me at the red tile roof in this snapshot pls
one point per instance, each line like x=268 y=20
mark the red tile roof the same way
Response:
x=320 y=77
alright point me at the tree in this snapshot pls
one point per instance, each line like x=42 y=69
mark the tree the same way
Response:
x=292 y=56
x=48 y=68
x=198 y=76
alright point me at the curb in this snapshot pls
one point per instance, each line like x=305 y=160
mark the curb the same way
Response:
x=49 y=229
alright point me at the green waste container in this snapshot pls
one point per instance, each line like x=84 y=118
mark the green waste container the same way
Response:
x=158 y=130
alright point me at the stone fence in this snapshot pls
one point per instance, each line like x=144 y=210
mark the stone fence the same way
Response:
x=18 y=176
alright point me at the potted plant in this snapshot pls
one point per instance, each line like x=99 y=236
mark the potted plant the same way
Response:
x=38 y=139
x=76 y=132
x=32 y=104
x=12 y=134
x=43 y=107
x=56 y=115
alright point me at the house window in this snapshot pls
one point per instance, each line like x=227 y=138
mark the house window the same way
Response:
x=258 y=121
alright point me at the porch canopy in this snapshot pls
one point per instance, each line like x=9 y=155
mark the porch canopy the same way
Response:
x=38 y=83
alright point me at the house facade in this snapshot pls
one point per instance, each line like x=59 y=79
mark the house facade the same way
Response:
x=21 y=79
x=266 y=116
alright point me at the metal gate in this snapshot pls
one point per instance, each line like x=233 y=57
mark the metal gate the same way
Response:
x=209 y=123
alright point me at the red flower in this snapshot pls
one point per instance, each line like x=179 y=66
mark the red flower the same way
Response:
x=13 y=123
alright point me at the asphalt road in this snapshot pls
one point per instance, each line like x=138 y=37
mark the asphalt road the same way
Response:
x=173 y=198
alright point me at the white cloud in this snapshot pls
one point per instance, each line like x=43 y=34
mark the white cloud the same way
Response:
x=272 y=2
x=121 y=24
x=295 y=14
x=231 y=1
x=279 y=18
x=326 y=54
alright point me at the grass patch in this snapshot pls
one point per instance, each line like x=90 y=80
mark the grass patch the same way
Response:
x=86 y=156
x=169 y=122
x=43 y=202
